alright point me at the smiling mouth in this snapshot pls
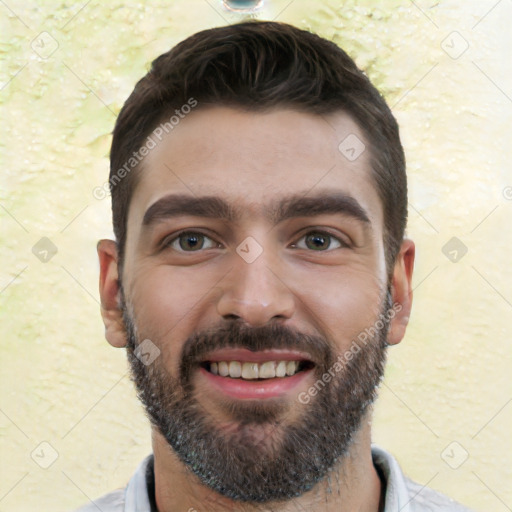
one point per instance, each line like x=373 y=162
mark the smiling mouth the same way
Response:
x=257 y=371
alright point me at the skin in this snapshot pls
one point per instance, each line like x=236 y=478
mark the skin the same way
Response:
x=249 y=160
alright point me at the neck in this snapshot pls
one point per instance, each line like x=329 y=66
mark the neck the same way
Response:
x=353 y=485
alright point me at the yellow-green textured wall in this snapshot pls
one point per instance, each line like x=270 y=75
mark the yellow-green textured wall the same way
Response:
x=62 y=384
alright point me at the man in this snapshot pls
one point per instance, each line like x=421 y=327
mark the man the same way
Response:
x=258 y=348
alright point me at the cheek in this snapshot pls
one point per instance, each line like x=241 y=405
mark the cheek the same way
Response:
x=344 y=303
x=166 y=306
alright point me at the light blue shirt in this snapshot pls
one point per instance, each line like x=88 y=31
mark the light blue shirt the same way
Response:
x=402 y=494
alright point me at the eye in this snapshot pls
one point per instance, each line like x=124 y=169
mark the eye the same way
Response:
x=190 y=241
x=320 y=241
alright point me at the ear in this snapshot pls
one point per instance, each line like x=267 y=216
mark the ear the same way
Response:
x=111 y=313
x=401 y=291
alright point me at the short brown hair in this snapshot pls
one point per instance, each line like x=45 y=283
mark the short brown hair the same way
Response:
x=258 y=65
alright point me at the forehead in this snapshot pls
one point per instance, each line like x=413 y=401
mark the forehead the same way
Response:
x=251 y=159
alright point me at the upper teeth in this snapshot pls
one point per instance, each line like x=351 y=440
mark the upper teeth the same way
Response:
x=266 y=370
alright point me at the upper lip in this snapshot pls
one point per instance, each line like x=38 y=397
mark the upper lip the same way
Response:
x=245 y=355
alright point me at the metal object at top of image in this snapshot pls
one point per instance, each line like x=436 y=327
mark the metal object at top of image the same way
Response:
x=242 y=6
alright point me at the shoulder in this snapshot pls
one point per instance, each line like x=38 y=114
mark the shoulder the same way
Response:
x=424 y=499
x=404 y=494
x=133 y=497
x=111 y=502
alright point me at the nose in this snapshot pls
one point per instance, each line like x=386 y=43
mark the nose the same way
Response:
x=255 y=292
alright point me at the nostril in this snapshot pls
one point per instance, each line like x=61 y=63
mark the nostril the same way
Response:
x=232 y=316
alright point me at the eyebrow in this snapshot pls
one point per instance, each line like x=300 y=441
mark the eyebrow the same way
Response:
x=296 y=205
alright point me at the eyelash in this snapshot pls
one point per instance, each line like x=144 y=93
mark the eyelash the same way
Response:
x=168 y=242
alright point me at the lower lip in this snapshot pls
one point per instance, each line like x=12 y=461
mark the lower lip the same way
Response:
x=251 y=389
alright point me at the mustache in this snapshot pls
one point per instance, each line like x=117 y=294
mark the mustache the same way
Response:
x=255 y=339
x=239 y=335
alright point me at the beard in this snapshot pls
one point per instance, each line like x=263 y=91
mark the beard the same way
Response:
x=264 y=455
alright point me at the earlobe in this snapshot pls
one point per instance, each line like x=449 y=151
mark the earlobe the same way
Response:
x=402 y=291
x=111 y=312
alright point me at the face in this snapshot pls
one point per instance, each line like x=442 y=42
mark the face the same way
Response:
x=254 y=264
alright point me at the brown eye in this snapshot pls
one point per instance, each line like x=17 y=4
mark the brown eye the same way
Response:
x=320 y=241
x=190 y=241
